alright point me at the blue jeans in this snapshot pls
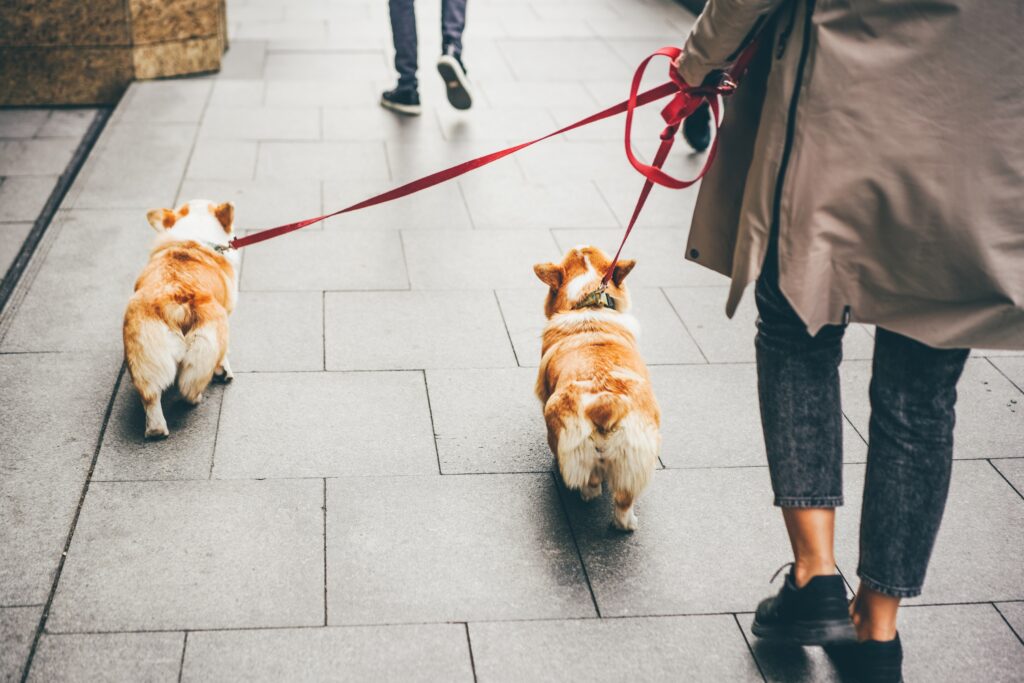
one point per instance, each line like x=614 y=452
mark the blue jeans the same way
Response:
x=910 y=451
x=403 y=32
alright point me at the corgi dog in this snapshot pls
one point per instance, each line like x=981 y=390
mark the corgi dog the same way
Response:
x=602 y=418
x=176 y=323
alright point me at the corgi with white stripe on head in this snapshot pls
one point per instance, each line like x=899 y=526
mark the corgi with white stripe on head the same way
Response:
x=602 y=418
x=176 y=323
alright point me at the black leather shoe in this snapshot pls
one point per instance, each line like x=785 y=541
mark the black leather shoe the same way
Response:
x=697 y=128
x=872 y=661
x=403 y=100
x=816 y=614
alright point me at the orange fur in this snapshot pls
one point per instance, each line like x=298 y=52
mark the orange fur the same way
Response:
x=601 y=413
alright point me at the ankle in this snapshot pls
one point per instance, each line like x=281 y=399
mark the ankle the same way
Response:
x=806 y=569
x=868 y=629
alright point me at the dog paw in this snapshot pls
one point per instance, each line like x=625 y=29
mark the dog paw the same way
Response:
x=589 y=493
x=223 y=376
x=157 y=433
x=625 y=522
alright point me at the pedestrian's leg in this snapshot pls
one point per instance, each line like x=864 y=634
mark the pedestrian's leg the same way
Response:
x=403 y=32
x=910 y=455
x=798 y=386
x=453 y=22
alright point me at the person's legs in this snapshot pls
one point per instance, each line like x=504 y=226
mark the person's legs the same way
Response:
x=403 y=32
x=910 y=455
x=453 y=22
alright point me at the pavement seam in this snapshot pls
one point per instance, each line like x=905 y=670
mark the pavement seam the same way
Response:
x=216 y=433
x=575 y=543
x=1003 y=476
x=324 y=508
x=469 y=644
x=181 y=664
x=750 y=648
x=686 y=327
x=998 y=369
x=1020 y=636
x=508 y=334
x=192 y=148
x=74 y=523
x=433 y=429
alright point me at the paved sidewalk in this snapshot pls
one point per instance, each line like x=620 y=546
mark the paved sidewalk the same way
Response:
x=373 y=498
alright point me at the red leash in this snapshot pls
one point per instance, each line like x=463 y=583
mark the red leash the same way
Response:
x=685 y=101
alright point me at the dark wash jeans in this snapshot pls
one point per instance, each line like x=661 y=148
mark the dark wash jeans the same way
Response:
x=910 y=451
x=403 y=32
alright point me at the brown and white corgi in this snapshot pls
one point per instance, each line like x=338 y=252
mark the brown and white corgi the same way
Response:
x=602 y=417
x=176 y=323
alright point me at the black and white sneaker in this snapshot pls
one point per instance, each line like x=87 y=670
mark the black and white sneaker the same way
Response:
x=449 y=65
x=816 y=614
x=403 y=100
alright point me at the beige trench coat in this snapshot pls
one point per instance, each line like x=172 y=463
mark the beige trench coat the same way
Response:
x=887 y=139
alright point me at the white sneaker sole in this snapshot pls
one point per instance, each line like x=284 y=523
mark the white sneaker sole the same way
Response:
x=407 y=109
x=456 y=83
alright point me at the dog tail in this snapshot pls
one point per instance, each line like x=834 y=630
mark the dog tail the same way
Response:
x=606 y=410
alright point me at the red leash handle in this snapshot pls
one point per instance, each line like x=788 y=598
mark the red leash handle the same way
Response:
x=685 y=101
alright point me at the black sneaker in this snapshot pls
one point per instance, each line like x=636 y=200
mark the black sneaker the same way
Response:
x=872 y=661
x=449 y=65
x=813 y=615
x=697 y=128
x=403 y=100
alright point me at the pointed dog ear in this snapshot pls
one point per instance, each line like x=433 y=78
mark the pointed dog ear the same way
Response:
x=161 y=219
x=225 y=214
x=622 y=269
x=550 y=274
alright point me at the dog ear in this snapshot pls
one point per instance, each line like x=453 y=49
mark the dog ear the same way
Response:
x=550 y=274
x=622 y=269
x=225 y=214
x=161 y=219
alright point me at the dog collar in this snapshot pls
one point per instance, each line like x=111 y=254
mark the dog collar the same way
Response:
x=219 y=248
x=599 y=298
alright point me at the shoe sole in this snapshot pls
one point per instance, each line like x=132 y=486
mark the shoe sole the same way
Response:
x=407 y=109
x=806 y=632
x=455 y=81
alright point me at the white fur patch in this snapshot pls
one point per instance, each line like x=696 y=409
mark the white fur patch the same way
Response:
x=571 y=319
x=574 y=288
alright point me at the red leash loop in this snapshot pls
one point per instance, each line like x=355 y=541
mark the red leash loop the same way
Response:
x=685 y=100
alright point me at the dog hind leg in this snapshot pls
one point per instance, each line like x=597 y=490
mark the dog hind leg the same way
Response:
x=152 y=352
x=204 y=351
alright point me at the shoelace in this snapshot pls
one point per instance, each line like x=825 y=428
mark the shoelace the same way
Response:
x=779 y=571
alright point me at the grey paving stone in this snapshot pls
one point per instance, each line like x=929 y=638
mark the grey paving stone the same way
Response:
x=278 y=332
x=430 y=652
x=1013 y=613
x=664 y=208
x=325 y=424
x=1013 y=470
x=194 y=555
x=327 y=260
x=661 y=569
x=643 y=26
x=705 y=648
x=531 y=60
x=266 y=30
x=369 y=121
x=990 y=410
x=179 y=100
x=17 y=629
x=67 y=123
x=1013 y=368
x=43 y=470
x=468 y=259
x=495 y=125
x=36 y=157
x=240 y=93
x=21 y=123
x=12 y=236
x=710 y=417
x=322 y=160
x=558 y=160
x=600 y=131
x=244 y=59
x=354 y=66
x=959 y=643
x=22 y=198
x=488 y=421
x=978 y=555
x=536 y=95
x=440 y=207
x=108 y=657
x=222 y=159
x=481 y=547
x=519 y=204
x=296 y=93
x=187 y=454
x=415 y=330
x=259 y=203
x=120 y=172
x=663 y=339
x=781 y=663
x=658 y=253
x=261 y=123
x=732 y=341
x=77 y=300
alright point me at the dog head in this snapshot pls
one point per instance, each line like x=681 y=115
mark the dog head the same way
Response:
x=200 y=220
x=575 y=281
